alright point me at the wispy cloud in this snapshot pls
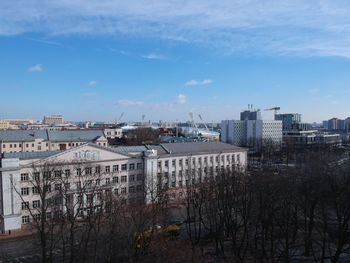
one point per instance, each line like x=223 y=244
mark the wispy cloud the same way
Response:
x=194 y=82
x=307 y=28
x=154 y=56
x=92 y=83
x=181 y=99
x=36 y=68
x=130 y=103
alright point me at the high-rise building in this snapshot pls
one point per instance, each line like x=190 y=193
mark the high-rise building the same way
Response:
x=251 y=133
x=290 y=121
x=251 y=115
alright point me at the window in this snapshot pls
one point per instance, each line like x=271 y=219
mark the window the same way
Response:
x=123 y=179
x=88 y=170
x=139 y=177
x=124 y=168
x=36 y=203
x=25 y=191
x=47 y=188
x=67 y=186
x=173 y=173
x=78 y=185
x=67 y=172
x=47 y=175
x=57 y=174
x=139 y=188
x=116 y=191
x=35 y=190
x=123 y=190
x=90 y=198
x=115 y=180
x=37 y=217
x=180 y=162
x=78 y=172
x=108 y=181
x=167 y=163
x=24 y=177
x=131 y=178
x=58 y=187
x=98 y=182
x=186 y=161
x=107 y=169
x=89 y=183
x=132 y=166
x=173 y=184
x=97 y=169
x=160 y=164
x=132 y=189
x=173 y=162
x=139 y=166
x=115 y=168
x=25 y=205
x=25 y=219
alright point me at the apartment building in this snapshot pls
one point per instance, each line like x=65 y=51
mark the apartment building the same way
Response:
x=44 y=140
x=89 y=171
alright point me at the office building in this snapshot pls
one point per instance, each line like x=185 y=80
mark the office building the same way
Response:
x=290 y=121
x=53 y=120
x=89 y=172
x=251 y=133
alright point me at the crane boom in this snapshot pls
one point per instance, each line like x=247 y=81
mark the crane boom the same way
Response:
x=200 y=117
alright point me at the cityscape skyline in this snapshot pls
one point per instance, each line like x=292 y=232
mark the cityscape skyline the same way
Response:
x=165 y=60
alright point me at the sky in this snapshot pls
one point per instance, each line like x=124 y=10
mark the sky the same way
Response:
x=94 y=59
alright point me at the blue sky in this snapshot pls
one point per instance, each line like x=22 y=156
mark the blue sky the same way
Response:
x=92 y=60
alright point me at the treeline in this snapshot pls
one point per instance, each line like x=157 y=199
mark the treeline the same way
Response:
x=300 y=215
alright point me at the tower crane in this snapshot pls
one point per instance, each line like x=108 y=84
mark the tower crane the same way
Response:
x=275 y=109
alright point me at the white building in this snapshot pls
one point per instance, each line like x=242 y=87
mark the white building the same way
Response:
x=53 y=120
x=250 y=132
x=89 y=171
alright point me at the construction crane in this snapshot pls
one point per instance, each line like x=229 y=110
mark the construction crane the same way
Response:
x=192 y=121
x=120 y=117
x=275 y=109
x=200 y=117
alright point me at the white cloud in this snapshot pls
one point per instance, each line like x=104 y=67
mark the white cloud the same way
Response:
x=36 y=68
x=92 y=83
x=301 y=27
x=154 y=56
x=194 y=82
x=181 y=99
x=130 y=103
x=89 y=94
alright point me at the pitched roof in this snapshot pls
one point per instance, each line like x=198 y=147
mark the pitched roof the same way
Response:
x=30 y=155
x=195 y=148
x=75 y=135
x=22 y=135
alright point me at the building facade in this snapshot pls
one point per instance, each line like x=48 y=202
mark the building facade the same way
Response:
x=45 y=140
x=88 y=172
x=53 y=120
x=290 y=121
x=251 y=132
